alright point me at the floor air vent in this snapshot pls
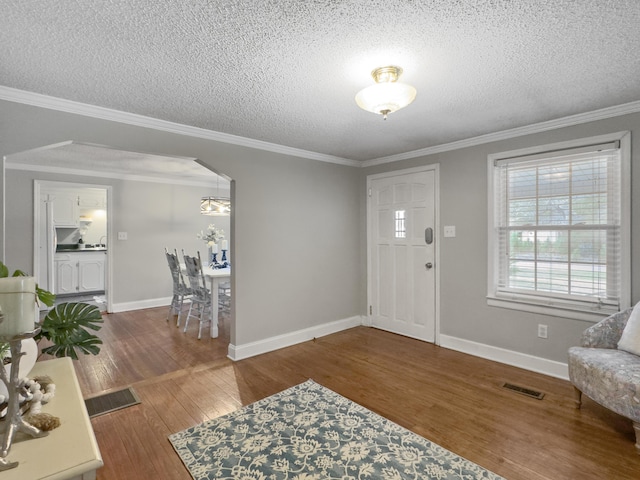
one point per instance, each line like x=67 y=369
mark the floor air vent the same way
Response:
x=110 y=402
x=524 y=391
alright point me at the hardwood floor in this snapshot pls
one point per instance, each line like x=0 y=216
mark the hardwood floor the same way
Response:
x=453 y=399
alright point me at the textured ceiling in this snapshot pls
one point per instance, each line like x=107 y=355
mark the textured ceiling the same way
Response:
x=287 y=71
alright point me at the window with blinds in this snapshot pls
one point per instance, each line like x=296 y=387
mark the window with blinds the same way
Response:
x=558 y=227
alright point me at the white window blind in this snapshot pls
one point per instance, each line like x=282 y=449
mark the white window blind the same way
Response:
x=557 y=226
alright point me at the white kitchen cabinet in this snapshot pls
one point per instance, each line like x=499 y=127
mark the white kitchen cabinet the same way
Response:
x=79 y=272
x=91 y=271
x=65 y=209
x=66 y=273
x=91 y=199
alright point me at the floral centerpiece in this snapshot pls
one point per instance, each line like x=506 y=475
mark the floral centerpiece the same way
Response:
x=212 y=236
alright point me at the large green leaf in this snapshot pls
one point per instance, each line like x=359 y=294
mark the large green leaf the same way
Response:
x=80 y=340
x=4 y=271
x=45 y=296
x=67 y=325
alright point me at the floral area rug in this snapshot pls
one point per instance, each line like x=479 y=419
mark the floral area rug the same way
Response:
x=309 y=432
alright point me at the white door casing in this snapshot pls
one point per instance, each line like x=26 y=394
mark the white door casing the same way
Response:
x=403 y=253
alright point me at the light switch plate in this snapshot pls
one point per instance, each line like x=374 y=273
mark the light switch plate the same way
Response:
x=449 y=231
x=122 y=235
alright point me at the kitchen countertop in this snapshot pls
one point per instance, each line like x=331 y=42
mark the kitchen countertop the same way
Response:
x=74 y=248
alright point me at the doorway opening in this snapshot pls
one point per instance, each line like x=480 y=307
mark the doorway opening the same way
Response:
x=153 y=202
x=71 y=241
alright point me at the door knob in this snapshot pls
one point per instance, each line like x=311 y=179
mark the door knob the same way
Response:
x=429 y=265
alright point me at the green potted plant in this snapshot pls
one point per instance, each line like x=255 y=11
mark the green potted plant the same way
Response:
x=67 y=326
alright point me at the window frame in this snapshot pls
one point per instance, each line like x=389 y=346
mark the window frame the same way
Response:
x=551 y=305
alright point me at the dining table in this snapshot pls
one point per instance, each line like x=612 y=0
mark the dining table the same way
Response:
x=215 y=276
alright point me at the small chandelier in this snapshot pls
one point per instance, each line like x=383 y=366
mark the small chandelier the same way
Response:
x=387 y=95
x=215 y=206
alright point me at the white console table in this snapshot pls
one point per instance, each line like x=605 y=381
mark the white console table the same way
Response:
x=70 y=452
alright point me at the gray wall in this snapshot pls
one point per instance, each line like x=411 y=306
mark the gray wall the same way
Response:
x=463 y=259
x=297 y=241
x=299 y=248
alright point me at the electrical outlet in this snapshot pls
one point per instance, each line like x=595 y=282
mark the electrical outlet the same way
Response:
x=542 y=331
x=122 y=235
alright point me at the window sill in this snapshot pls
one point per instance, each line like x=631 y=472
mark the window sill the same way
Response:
x=577 y=312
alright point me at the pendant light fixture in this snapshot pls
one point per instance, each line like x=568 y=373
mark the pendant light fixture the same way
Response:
x=215 y=205
x=387 y=95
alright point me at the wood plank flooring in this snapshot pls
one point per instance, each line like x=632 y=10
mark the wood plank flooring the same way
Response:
x=453 y=399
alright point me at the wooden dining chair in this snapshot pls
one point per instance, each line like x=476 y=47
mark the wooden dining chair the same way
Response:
x=200 y=295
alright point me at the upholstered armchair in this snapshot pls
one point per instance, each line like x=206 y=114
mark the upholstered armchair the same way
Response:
x=609 y=376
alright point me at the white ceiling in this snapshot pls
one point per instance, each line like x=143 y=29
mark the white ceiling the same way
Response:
x=78 y=158
x=286 y=71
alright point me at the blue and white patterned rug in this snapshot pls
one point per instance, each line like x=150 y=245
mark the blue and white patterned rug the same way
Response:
x=309 y=432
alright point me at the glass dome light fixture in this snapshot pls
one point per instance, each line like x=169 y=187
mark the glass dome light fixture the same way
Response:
x=387 y=95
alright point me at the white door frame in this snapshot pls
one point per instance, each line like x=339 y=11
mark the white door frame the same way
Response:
x=37 y=218
x=435 y=168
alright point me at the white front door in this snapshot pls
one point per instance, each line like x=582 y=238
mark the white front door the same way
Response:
x=402 y=252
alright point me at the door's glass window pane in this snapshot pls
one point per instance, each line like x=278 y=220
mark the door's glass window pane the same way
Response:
x=401 y=228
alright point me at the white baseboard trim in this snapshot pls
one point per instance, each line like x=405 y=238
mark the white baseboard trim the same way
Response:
x=239 y=352
x=510 y=357
x=140 y=304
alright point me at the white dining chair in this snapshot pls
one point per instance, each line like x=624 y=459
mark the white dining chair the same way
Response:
x=181 y=291
x=224 y=296
x=200 y=307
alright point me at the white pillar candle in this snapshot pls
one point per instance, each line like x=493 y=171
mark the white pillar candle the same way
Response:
x=224 y=245
x=18 y=304
x=214 y=248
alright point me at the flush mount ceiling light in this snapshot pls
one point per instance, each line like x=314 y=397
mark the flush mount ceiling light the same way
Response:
x=387 y=95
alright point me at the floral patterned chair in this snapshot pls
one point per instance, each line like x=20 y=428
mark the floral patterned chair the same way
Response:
x=609 y=376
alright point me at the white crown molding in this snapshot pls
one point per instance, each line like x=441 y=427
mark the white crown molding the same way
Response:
x=580 y=118
x=69 y=106
x=119 y=176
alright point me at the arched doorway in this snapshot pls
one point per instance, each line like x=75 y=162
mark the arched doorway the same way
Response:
x=160 y=189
